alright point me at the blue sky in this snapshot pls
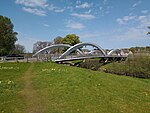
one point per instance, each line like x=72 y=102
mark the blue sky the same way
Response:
x=108 y=23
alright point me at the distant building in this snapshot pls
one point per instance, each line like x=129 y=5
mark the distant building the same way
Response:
x=125 y=52
x=118 y=52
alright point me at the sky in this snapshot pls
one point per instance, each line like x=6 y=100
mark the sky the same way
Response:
x=110 y=24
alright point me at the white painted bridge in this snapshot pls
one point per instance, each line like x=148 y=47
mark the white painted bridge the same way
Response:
x=77 y=52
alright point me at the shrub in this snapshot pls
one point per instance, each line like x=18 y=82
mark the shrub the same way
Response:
x=90 y=64
x=136 y=66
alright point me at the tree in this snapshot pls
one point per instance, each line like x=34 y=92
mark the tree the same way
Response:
x=7 y=36
x=19 y=49
x=40 y=45
x=58 y=40
x=149 y=31
x=132 y=49
x=71 y=39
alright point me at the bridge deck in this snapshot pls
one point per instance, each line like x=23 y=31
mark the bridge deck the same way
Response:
x=89 y=57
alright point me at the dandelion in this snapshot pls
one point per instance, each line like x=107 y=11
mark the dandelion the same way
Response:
x=0 y=82
x=9 y=82
x=53 y=69
x=11 y=67
x=145 y=93
x=98 y=84
x=78 y=110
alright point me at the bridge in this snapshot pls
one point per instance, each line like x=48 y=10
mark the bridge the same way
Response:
x=80 y=51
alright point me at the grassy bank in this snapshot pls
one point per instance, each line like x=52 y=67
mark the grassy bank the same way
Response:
x=65 y=89
x=11 y=86
x=136 y=66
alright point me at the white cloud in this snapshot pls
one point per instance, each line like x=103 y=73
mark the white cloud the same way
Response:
x=104 y=10
x=83 y=16
x=74 y=25
x=34 y=6
x=137 y=31
x=51 y=7
x=88 y=12
x=45 y=25
x=34 y=11
x=70 y=8
x=142 y=19
x=125 y=19
x=84 y=5
x=132 y=34
x=136 y=4
x=33 y=3
x=144 y=11
x=59 y=10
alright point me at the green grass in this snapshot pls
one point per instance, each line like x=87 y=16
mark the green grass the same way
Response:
x=66 y=89
x=136 y=66
x=11 y=86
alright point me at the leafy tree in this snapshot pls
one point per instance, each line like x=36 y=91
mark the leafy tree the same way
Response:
x=71 y=39
x=58 y=40
x=7 y=36
x=19 y=49
x=40 y=45
x=132 y=49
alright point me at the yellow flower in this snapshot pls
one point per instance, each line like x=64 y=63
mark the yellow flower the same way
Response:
x=145 y=93
x=9 y=82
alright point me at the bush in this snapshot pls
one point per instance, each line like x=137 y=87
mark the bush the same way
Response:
x=136 y=66
x=90 y=64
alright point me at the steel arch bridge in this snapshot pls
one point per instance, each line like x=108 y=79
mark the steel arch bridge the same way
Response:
x=77 y=52
x=50 y=48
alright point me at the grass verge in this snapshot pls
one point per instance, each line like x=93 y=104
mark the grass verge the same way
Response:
x=10 y=87
x=65 y=89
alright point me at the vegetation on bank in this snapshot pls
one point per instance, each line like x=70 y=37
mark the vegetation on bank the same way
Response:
x=140 y=50
x=92 y=64
x=67 y=89
x=135 y=66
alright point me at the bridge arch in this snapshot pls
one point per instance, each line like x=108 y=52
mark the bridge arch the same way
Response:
x=78 y=46
x=117 y=51
x=51 y=47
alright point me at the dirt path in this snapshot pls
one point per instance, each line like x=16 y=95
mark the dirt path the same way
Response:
x=33 y=102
